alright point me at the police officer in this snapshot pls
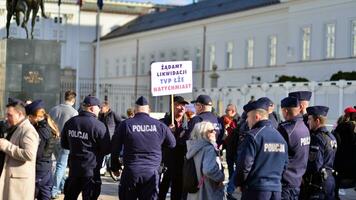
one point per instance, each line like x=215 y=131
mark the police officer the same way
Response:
x=318 y=178
x=173 y=159
x=272 y=116
x=142 y=138
x=263 y=156
x=49 y=135
x=304 y=98
x=88 y=141
x=297 y=137
x=203 y=108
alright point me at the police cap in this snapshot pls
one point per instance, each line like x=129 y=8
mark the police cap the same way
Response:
x=301 y=95
x=34 y=106
x=318 y=110
x=141 y=101
x=289 y=102
x=203 y=99
x=255 y=105
x=266 y=101
x=91 y=101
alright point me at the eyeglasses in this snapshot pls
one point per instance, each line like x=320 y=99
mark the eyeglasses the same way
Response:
x=211 y=131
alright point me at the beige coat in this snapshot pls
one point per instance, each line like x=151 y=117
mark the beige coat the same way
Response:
x=17 y=180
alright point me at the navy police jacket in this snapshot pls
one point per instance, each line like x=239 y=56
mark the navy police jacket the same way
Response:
x=209 y=117
x=262 y=159
x=45 y=147
x=142 y=137
x=322 y=152
x=87 y=139
x=297 y=137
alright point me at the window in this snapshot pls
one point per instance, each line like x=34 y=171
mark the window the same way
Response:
x=152 y=58
x=272 y=45
x=106 y=68
x=330 y=40
x=124 y=68
x=117 y=66
x=211 y=56
x=197 y=58
x=173 y=55
x=142 y=62
x=306 y=36
x=353 y=38
x=185 y=54
x=162 y=56
x=229 y=49
x=133 y=65
x=250 y=52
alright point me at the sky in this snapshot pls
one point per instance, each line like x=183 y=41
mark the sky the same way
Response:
x=174 y=2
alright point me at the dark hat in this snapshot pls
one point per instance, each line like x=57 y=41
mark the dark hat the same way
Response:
x=91 y=101
x=266 y=100
x=255 y=105
x=141 y=101
x=318 y=110
x=35 y=105
x=289 y=102
x=301 y=95
x=13 y=102
x=180 y=100
x=203 y=99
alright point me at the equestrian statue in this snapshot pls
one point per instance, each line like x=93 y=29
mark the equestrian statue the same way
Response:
x=21 y=9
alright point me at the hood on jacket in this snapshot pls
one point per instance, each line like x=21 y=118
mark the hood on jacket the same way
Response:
x=194 y=146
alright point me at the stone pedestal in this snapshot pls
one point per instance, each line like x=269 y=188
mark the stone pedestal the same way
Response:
x=29 y=69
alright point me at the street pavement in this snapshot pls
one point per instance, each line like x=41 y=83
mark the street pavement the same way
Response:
x=109 y=191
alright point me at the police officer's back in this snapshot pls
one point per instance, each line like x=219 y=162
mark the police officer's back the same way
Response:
x=297 y=137
x=142 y=138
x=88 y=141
x=203 y=107
x=319 y=175
x=263 y=156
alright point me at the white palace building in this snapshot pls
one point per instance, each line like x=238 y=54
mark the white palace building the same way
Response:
x=251 y=43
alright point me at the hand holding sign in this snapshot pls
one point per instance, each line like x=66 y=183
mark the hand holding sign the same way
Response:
x=169 y=78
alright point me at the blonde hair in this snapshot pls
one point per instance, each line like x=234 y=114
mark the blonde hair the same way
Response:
x=262 y=112
x=41 y=113
x=200 y=130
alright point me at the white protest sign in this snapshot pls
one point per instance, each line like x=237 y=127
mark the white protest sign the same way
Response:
x=174 y=77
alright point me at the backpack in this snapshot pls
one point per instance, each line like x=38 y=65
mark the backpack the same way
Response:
x=190 y=177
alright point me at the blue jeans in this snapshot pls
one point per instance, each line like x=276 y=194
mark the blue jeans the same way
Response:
x=61 y=165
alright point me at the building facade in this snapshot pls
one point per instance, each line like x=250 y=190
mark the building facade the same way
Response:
x=252 y=43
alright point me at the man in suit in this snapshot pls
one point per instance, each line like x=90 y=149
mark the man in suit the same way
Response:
x=17 y=180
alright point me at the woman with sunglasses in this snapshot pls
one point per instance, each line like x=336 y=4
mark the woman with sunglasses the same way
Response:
x=203 y=149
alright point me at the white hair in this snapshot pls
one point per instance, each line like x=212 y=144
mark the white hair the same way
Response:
x=200 y=130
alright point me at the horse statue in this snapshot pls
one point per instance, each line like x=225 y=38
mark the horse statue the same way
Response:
x=21 y=9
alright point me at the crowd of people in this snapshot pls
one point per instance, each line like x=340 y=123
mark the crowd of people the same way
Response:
x=267 y=158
